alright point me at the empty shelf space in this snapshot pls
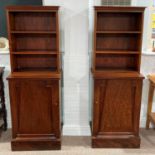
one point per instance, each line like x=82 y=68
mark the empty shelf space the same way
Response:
x=108 y=70
x=119 y=32
x=33 y=53
x=33 y=21
x=117 y=52
x=33 y=32
x=34 y=42
x=116 y=21
x=114 y=70
x=35 y=62
x=118 y=42
x=102 y=69
x=37 y=69
x=116 y=62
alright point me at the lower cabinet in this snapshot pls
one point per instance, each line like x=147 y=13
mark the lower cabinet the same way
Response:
x=35 y=112
x=116 y=113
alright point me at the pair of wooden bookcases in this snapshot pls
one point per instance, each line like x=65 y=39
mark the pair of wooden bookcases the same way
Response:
x=35 y=77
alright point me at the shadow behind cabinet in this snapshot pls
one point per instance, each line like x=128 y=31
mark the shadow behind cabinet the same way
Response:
x=117 y=78
x=34 y=83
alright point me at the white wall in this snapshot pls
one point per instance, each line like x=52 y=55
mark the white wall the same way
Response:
x=74 y=27
x=147 y=22
x=147 y=67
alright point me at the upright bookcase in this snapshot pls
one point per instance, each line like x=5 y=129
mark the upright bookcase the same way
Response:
x=117 y=80
x=34 y=82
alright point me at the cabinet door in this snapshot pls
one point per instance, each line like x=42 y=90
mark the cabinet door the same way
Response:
x=116 y=106
x=35 y=108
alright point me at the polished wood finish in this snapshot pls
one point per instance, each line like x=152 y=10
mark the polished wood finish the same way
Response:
x=34 y=35
x=34 y=82
x=117 y=79
x=3 y=113
x=118 y=38
x=35 y=116
x=116 y=112
x=150 y=114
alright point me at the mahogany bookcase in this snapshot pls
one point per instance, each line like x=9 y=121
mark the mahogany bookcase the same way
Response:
x=34 y=82
x=117 y=80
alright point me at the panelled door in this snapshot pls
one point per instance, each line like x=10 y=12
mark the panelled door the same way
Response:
x=35 y=108
x=116 y=107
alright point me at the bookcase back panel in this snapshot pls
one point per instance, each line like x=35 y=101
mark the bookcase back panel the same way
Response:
x=35 y=42
x=119 y=21
x=117 y=42
x=29 y=21
x=35 y=63
x=116 y=62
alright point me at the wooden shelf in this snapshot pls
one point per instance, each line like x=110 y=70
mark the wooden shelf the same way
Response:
x=119 y=32
x=36 y=74
x=36 y=69
x=100 y=69
x=36 y=9
x=116 y=62
x=117 y=42
x=35 y=53
x=33 y=32
x=33 y=62
x=112 y=74
x=117 y=52
x=120 y=9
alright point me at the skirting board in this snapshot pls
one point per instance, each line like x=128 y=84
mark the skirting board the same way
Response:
x=76 y=130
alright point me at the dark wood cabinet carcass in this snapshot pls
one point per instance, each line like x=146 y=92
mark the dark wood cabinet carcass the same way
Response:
x=34 y=82
x=35 y=113
x=116 y=75
x=116 y=112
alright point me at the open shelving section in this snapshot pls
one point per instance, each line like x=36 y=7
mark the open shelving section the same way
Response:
x=117 y=40
x=34 y=40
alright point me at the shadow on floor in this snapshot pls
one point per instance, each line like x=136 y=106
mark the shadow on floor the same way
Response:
x=5 y=136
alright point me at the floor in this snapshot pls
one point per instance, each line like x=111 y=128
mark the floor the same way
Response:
x=81 y=146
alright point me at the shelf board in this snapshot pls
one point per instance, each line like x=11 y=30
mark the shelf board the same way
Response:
x=152 y=116
x=35 y=53
x=101 y=69
x=32 y=8
x=36 y=69
x=118 y=32
x=114 y=75
x=33 y=32
x=35 y=74
x=117 y=52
